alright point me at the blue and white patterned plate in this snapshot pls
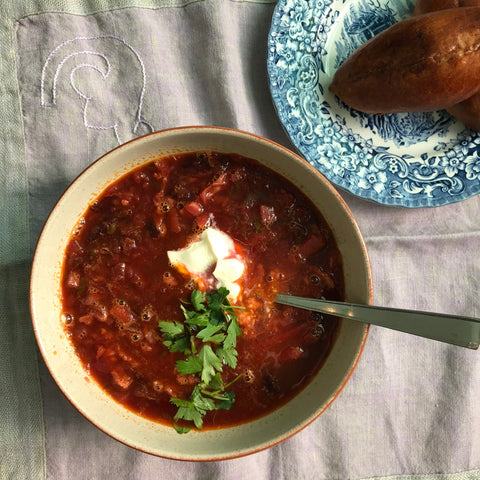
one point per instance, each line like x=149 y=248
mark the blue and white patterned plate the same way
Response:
x=411 y=159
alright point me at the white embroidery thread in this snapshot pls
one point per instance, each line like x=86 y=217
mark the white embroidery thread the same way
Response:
x=104 y=70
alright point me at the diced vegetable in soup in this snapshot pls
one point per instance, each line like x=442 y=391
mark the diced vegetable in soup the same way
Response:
x=169 y=282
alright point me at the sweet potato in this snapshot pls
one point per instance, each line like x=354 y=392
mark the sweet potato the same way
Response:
x=427 y=6
x=468 y=111
x=424 y=63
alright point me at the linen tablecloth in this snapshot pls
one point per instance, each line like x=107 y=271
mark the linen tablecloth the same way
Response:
x=77 y=78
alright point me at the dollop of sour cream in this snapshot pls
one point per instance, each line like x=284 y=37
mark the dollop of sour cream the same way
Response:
x=214 y=249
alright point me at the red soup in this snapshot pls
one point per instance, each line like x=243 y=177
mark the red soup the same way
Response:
x=119 y=284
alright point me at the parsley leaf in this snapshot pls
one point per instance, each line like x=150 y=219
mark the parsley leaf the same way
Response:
x=198 y=319
x=233 y=331
x=197 y=298
x=176 y=339
x=228 y=356
x=181 y=429
x=216 y=382
x=208 y=334
x=171 y=328
x=227 y=402
x=210 y=363
x=211 y=322
x=217 y=299
x=217 y=317
x=191 y=365
x=187 y=411
x=202 y=403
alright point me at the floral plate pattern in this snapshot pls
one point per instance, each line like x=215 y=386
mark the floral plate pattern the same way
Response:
x=410 y=159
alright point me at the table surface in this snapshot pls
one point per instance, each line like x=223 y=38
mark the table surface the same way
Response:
x=410 y=410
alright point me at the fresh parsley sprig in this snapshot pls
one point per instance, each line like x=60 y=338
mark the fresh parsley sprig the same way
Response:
x=207 y=337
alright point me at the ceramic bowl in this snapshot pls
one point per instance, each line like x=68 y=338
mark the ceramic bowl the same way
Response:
x=115 y=420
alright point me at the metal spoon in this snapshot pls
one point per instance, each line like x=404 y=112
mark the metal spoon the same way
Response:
x=453 y=329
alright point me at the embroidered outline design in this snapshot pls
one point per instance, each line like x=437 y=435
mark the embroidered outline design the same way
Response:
x=138 y=120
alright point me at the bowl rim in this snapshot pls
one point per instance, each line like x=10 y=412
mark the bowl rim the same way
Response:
x=220 y=130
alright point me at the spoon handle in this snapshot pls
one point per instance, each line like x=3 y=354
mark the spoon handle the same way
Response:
x=453 y=329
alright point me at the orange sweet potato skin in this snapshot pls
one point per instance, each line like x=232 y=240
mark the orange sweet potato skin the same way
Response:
x=468 y=111
x=424 y=63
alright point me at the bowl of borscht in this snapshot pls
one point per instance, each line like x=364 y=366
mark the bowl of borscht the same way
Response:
x=153 y=290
